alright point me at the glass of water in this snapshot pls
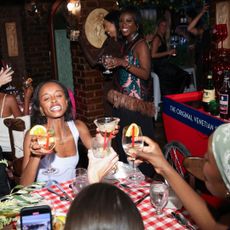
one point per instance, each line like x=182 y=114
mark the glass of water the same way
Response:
x=81 y=180
x=159 y=192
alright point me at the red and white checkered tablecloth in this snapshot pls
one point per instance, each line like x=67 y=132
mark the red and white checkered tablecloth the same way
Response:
x=151 y=220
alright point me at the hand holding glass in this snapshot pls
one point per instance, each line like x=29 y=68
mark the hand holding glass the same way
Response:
x=105 y=59
x=131 y=146
x=46 y=143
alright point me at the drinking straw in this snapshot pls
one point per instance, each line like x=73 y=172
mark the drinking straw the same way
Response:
x=47 y=141
x=104 y=144
x=133 y=135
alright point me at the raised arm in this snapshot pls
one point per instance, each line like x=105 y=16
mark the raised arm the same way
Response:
x=5 y=76
x=193 y=203
x=28 y=92
x=192 y=25
x=84 y=133
x=12 y=105
x=30 y=163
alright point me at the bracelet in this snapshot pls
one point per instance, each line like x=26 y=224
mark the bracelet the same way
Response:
x=128 y=66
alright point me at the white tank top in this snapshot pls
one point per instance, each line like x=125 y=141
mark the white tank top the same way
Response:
x=65 y=165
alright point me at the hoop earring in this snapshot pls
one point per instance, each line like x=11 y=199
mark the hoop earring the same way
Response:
x=227 y=195
x=42 y=113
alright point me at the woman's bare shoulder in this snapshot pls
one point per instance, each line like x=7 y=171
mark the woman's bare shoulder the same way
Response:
x=79 y=123
x=10 y=98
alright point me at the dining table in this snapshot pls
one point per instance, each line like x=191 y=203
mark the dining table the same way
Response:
x=136 y=192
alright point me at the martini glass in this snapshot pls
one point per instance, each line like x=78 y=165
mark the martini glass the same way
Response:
x=102 y=148
x=106 y=126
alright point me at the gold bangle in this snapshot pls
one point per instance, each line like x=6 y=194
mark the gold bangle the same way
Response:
x=128 y=66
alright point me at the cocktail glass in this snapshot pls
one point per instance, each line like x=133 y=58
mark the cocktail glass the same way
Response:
x=131 y=147
x=106 y=126
x=47 y=143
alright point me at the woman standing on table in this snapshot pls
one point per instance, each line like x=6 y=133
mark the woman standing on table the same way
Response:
x=132 y=94
x=52 y=108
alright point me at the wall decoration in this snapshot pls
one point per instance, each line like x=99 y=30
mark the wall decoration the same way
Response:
x=223 y=17
x=12 y=40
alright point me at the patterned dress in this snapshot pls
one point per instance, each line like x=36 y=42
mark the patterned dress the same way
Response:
x=129 y=84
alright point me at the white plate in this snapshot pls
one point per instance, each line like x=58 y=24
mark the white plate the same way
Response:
x=123 y=170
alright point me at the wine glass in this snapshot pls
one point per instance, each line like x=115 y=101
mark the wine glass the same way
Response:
x=159 y=192
x=47 y=143
x=105 y=59
x=131 y=146
x=81 y=180
x=224 y=33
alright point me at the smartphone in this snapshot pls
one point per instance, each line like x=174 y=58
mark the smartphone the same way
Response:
x=37 y=217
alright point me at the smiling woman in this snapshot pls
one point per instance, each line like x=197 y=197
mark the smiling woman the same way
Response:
x=52 y=108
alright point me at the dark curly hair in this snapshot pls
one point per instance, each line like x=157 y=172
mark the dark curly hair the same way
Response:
x=113 y=17
x=36 y=116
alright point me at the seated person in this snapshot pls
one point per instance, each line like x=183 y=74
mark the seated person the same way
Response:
x=172 y=78
x=51 y=107
x=9 y=107
x=216 y=174
x=103 y=206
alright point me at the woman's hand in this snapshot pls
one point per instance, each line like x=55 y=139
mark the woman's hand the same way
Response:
x=116 y=62
x=172 y=52
x=5 y=76
x=99 y=167
x=37 y=150
x=151 y=153
x=205 y=9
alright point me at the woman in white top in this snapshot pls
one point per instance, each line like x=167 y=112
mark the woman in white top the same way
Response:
x=9 y=107
x=52 y=108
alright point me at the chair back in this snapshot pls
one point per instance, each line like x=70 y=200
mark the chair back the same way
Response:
x=15 y=124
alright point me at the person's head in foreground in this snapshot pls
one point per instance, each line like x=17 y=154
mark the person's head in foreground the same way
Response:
x=102 y=206
x=217 y=162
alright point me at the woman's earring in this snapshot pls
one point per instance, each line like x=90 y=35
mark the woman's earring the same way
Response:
x=227 y=195
x=42 y=113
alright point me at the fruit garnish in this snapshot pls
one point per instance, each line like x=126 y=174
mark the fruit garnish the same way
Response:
x=38 y=130
x=133 y=130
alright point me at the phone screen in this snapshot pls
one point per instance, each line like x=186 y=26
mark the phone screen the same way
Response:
x=36 y=218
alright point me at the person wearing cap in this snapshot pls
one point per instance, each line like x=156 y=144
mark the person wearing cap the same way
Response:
x=216 y=172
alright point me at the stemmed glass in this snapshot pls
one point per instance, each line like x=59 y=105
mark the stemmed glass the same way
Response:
x=45 y=138
x=105 y=59
x=106 y=126
x=159 y=192
x=101 y=147
x=223 y=33
x=131 y=146
x=47 y=143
